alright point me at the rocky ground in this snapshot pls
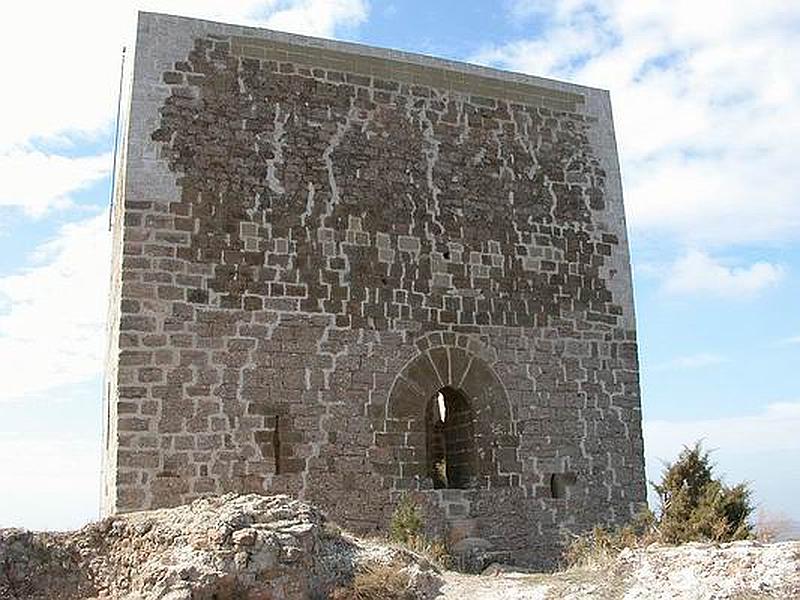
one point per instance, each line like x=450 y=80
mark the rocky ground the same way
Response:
x=236 y=546
x=273 y=548
x=735 y=571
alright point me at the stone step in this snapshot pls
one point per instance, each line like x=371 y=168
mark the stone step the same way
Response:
x=472 y=554
x=458 y=529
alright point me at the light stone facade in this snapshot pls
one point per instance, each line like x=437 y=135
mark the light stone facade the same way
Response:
x=314 y=239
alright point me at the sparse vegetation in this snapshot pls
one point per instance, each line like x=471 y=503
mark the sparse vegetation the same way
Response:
x=694 y=505
x=407 y=528
x=375 y=581
x=406 y=521
x=602 y=545
x=434 y=550
x=771 y=526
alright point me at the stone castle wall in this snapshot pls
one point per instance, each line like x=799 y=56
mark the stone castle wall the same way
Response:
x=317 y=237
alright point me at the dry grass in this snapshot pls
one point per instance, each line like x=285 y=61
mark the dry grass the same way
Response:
x=600 y=547
x=375 y=581
x=771 y=526
x=590 y=563
x=407 y=529
x=435 y=551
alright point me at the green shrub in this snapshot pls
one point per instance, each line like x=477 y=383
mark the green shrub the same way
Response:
x=696 y=506
x=407 y=528
x=406 y=521
x=693 y=506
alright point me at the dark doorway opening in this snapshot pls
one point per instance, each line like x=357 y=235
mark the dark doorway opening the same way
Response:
x=450 y=440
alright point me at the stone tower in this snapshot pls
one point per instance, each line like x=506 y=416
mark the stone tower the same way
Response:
x=347 y=273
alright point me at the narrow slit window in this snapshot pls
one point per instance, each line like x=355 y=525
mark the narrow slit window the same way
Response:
x=276 y=445
x=560 y=484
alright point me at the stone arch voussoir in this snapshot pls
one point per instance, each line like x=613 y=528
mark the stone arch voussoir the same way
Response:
x=462 y=363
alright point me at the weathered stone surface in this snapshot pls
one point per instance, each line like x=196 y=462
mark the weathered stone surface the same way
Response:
x=229 y=547
x=732 y=571
x=306 y=254
x=256 y=547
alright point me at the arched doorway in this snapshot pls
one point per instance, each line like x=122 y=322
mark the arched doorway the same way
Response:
x=450 y=440
x=410 y=443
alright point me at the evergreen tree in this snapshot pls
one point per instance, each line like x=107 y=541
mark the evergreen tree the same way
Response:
x=696 y=506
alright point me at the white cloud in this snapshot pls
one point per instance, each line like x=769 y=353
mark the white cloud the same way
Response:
x=697 y=272
x=705 y=99
x=48 y=483
x=52 y=328
x=67 y=83
x=704 y=198
x=36 y=182
x=318 y=17
x=692 y=361
x=792 y=340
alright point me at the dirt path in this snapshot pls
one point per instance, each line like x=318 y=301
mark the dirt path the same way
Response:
x=489 y=587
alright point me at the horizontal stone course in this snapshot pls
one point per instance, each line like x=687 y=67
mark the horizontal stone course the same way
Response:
x=420 y=75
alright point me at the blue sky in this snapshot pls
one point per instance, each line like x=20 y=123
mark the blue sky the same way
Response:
x=706 y=99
